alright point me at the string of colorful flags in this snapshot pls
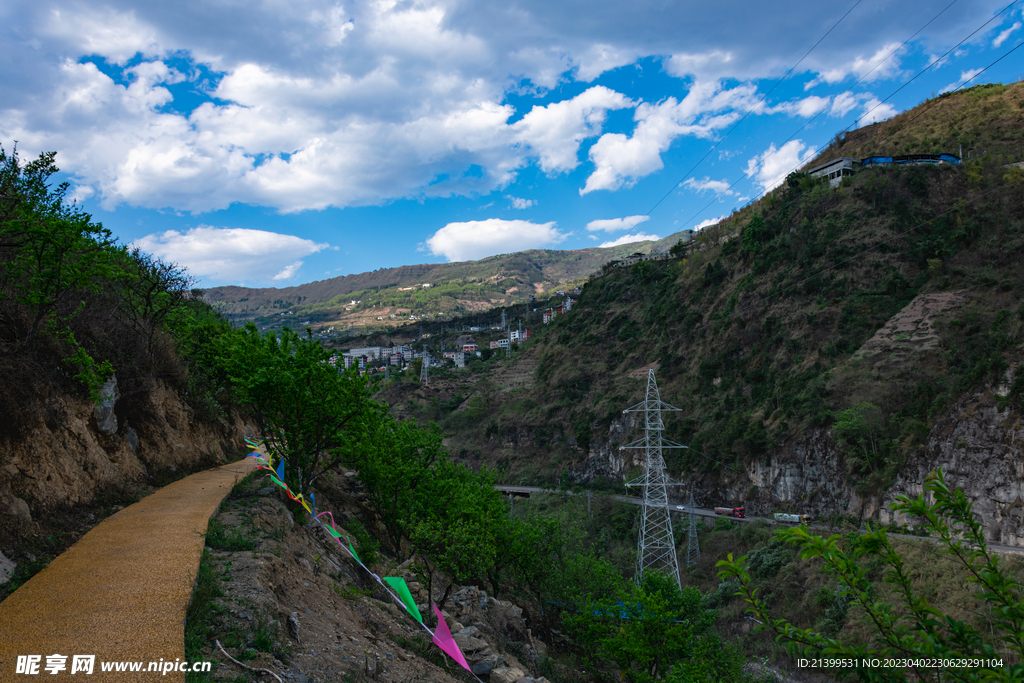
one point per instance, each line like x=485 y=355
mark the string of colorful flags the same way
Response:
x=395 y=586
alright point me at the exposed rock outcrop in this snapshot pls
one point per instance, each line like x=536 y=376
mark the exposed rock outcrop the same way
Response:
x=92 y=451
x=980 y=448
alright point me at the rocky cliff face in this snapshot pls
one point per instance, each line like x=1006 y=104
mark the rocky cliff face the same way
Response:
x=981 y=450
x=93 y=449
x=979 y=446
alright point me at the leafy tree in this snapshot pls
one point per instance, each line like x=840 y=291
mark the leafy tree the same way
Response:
x=199 y=333
x=399 y=469
x=458 y=526
x=152 y=291
x=915 y=630
x=865 y=428
x=545 y=560
x=49 y=248
x=309 y=412
x=656 y=631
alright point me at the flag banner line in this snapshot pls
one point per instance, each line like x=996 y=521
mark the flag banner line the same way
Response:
x=441 y=636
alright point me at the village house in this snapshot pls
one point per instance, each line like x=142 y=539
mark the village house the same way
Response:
x=842 y=167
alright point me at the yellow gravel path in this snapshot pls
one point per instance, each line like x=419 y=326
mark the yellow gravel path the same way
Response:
x=121 y=591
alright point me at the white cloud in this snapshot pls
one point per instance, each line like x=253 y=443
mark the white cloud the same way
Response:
x=965 y=76
x=629 y=239
x=709 y=222
x=554 y=132
x=620 y=160
x=616 y=224
x=517 y=202
x=288 y=272
x=600 y=58
x=474 y=240
x=708 y=65
x=843 y=104
x=116 y=35
x=879 y=66
x=771 y=167
x=806 y=107
x=875 y=111
x=231 y=254
x=314 y=103
x=719 y=187
x=1001 y=38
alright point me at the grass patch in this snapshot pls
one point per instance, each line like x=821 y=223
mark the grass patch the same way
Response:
x=350 y=593
x=247 y=485
x=22 y=573
x=422 y=648
x=220 y=537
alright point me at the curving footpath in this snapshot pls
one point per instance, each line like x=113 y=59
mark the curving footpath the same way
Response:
x=121 y=592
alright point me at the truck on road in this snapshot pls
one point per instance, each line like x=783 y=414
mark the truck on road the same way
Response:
x=730 y=512
x=795 y=519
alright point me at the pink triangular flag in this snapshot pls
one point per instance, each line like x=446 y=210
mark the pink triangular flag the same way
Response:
x=443 y=639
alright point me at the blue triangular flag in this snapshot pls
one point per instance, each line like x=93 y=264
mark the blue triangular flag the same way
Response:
x=280 y=470
x=312 y=503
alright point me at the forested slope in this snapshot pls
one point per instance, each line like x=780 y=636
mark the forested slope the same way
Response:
x=779 y=335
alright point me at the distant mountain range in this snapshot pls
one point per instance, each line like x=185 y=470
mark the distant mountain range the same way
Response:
x=397 y=294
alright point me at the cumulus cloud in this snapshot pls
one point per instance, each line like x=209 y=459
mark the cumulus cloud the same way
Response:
x=719 y=187
x=518 y=202
x=875 y=110
x=616 y=224
x=843 y=104
x=806 y=107
x=771 y=167
x=709 y=222
x=231 y=254
x=620 y=160
x=882 y=65
x=474 y=240
x=600 y=58
x=313 y=103
x=965 y=77
x=1003 y=35
x=288 y=272
x=554 y=132
x=629 y=239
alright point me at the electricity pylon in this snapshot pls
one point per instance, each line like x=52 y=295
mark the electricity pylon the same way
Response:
x=656 y=548
x=425 y=369
x=692 y=546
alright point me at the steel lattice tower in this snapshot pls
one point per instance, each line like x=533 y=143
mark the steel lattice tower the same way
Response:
x=692 y=546
x=425 y=369
x=656 y=548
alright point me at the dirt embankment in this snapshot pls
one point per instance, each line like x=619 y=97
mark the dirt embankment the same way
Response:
x=293 y=602
x=82 y=462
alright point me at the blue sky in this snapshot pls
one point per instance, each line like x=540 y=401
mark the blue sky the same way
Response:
x=276 y=143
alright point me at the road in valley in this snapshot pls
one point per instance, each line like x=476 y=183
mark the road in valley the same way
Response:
x=703 y=512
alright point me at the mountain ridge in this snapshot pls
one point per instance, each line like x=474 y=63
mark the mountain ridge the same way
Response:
x=491 y=281
x=827 y=346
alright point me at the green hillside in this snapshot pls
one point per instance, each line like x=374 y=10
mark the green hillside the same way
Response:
x=760 y=333
x=455 y=289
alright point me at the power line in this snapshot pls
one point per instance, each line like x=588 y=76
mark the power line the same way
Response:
x=736 y=125
x=868 y=250
x=936 y=61
x=932 y=103
x=889 y=97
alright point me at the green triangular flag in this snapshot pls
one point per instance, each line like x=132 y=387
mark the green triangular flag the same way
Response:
x=398 y=583
x=354 y=553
